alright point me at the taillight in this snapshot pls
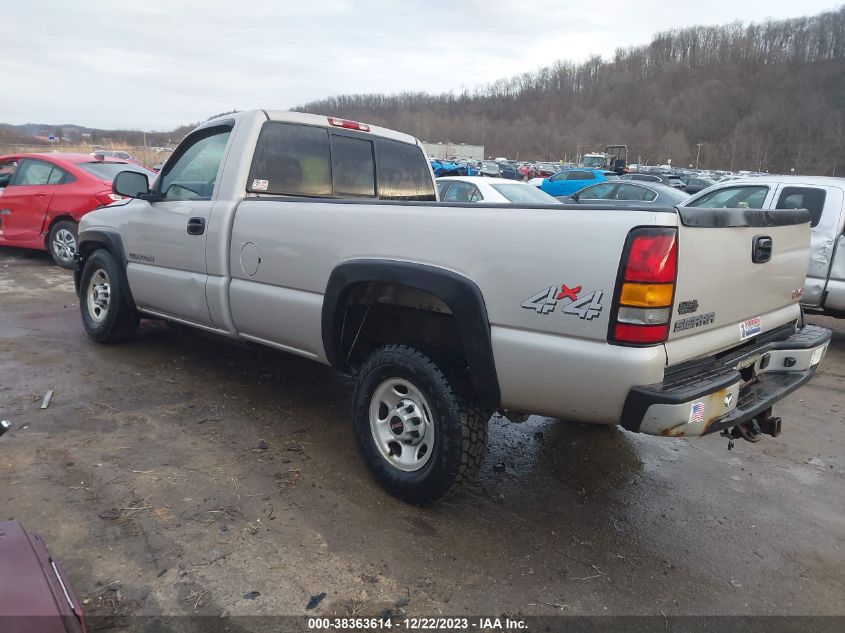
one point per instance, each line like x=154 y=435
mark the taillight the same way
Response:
x=351 y=125
x=646 y=289
x=107 y=197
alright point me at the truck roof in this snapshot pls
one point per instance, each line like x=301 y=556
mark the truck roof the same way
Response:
x=312 y=119
x=833 y=181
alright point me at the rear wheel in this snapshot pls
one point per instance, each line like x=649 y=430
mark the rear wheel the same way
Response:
x=107 y=314
x=62 y=243
x=418 y=424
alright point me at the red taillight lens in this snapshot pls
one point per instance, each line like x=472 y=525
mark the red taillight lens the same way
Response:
x=107 y=197
x=652 y=258
x=351 y=125
x=640 y=333
x=643 y=302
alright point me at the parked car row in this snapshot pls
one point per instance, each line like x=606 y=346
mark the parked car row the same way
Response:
x=823 y=197
x=481 y=189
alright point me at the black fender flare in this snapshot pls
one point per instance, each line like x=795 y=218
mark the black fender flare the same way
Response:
x=109 y=239
x=460 y=294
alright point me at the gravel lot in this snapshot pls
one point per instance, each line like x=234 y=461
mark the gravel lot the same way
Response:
x=192 y=471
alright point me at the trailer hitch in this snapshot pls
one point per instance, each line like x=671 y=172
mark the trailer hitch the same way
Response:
x=752 y=430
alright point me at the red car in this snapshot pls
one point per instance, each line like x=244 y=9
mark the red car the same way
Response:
x=43 y=197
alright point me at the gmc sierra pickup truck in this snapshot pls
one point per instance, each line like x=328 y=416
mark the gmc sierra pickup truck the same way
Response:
x=324 y=237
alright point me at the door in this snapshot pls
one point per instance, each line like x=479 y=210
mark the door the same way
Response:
x=165 y=238
x=25 y=200
x=825 y=207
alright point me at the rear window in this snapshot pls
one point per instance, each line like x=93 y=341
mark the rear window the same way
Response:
x=403 y=172
x=292 y=160
x=107 y=171
x=353 y=167
x=579 y=175
x=303 y=160
x=525 y=194
x=808 y=198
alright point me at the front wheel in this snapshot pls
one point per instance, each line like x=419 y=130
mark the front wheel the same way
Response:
x=62 y=243
x=107 y=314
x=417 y=422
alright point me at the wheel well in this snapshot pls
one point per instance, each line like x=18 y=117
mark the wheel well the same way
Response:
x=378 y=313
x=109 y=240
x=371 y=301
x=58 y=218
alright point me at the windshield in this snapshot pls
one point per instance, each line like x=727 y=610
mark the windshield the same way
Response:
x=107 y=171
x=593 y=161
x=490 y=166
x=525 y=194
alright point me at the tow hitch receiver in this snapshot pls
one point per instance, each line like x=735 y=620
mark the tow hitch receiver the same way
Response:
x=751 y=430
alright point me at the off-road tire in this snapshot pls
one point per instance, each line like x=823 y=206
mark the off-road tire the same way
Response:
x=121 y=319
x=460 y=422
x=65 y=226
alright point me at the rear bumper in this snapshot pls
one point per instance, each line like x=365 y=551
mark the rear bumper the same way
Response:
x=719 y=393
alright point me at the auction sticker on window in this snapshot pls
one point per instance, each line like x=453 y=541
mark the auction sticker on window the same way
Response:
x=750 y=328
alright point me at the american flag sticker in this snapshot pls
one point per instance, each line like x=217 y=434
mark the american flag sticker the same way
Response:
x=696 y=413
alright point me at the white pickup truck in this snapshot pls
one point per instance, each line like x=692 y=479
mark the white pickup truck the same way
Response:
x=824 y=198
x=324 y=237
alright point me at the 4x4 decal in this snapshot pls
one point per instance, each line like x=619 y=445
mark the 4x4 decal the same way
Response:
x=545 y=301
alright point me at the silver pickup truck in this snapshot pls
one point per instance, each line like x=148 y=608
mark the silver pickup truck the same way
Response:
x=323 y=237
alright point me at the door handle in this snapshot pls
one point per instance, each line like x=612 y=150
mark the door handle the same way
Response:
x=196 y=226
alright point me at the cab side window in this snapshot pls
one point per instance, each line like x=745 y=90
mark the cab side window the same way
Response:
x=808 y=198
x=193 y=174
x=747 y=197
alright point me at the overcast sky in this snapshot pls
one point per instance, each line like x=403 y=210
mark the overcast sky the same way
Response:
x=155 y=64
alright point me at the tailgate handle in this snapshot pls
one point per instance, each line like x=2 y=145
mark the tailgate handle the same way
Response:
x=761 y=250
x=196 y=226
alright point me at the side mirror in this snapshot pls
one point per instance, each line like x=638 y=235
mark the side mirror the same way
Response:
x=574 y=197
x=131 y=184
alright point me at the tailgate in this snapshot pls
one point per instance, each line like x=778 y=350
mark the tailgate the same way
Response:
x=740 y=274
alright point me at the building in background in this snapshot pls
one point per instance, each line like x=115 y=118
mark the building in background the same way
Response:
x=460 y=151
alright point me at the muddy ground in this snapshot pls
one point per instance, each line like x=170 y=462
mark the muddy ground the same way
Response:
x=177 y=473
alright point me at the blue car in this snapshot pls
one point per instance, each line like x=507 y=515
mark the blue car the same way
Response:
x=569 y=181
x=452 y=168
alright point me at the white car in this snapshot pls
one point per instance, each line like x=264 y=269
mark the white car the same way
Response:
x=496 y=190
x=109 y=153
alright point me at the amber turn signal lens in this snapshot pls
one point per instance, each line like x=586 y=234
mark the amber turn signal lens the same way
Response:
x=646 y=295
